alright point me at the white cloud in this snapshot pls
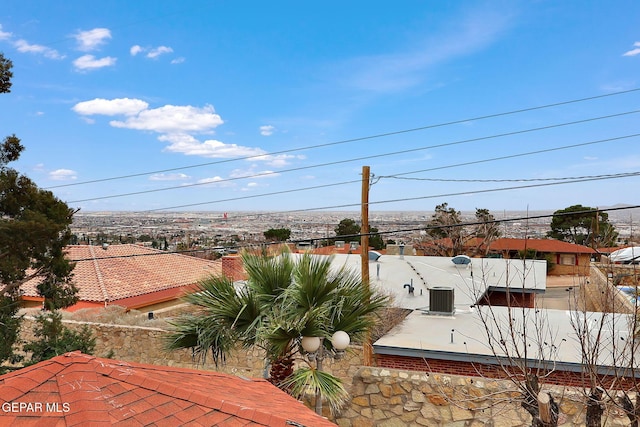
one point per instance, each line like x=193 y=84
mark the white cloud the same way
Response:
x=267 y=130
x=160 y=50
x=168 y=177
x=397 y=71
x=4 y=35
x=216 y=181
x=90 y=62
x=153 y=52
x=190 y=146
x=177 y=60
x=173 y=119
x=63 y=175
x=25 y=47
x=92 y=39
x=279 y=160
x=110 y=107
x=176 y=124
x=633 y=52
x=253 y=173
x=135 y=49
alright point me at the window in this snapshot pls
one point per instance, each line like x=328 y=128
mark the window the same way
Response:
x=567 y=259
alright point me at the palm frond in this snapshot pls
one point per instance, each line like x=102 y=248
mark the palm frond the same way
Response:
x=200 y=334
x=354 y=307
x=314 y=282
x=269 y=276
x=309 y=380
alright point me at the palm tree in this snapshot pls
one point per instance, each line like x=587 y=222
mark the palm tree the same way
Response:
x=282 y=300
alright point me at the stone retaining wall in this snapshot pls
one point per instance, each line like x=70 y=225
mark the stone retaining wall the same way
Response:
x=393 y=398
x=379 y=396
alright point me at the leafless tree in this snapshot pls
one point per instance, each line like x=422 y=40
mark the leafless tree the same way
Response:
x=608 y=338
x=525 y=347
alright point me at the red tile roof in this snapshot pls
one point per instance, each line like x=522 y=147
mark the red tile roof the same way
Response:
x=132 y=275
x=540 y=245
x=76 y=390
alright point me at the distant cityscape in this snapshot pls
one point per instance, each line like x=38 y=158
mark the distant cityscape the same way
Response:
x=172 y=230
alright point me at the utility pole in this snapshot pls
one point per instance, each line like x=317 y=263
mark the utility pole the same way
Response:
x=364 y=255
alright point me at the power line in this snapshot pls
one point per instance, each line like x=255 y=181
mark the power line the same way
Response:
x=622 y=175
x=465 y=193
x=393 y=153
x=346 y=141
x=408 y=173
x=512 y=156
x=492 y=190
x=253 y=196
x=404 y=230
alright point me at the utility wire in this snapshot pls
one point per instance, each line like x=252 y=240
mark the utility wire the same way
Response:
x=412 y=172
x=512 y=156
x=404 y=230
x=393 y=153
x=346 y=141
x=567 y=178
x=586 y=179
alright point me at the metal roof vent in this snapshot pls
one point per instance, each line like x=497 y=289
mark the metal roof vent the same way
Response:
x=461 y=260
x=441 y=300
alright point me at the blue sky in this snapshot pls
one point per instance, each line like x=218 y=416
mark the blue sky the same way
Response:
x=236 y=106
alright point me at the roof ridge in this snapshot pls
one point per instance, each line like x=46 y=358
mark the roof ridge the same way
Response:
x=80 y=387
x=96 y=267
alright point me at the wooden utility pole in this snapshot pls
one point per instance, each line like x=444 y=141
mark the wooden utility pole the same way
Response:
x=364 y=255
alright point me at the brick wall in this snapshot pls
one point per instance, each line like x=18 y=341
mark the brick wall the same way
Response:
x=469 y=369
x=232 y=268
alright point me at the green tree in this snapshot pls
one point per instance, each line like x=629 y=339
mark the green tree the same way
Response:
x=445 y=235
x=54 y=339
x=283 y=300
x=5 y=74
x=375 y=240
x=277 y=234
x=348 y=230
x=486 y=230
x=583 y=225
x=34 y=229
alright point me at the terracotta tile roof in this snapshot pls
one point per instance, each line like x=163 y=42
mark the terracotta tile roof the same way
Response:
x=76 y=390
x=540 y=245
x=127 y=271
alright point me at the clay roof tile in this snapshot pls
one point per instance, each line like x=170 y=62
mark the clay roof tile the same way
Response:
x=106 y=392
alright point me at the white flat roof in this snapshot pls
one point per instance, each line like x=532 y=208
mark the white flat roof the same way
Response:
x=463 y=336
x=391 y=273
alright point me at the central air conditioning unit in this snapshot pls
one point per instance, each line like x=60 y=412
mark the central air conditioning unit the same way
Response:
x=441 y=300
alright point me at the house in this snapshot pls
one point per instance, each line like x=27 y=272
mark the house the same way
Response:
x=564 y=258
x=132 y=276
x=75 y=389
